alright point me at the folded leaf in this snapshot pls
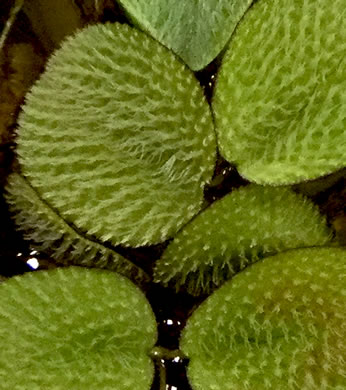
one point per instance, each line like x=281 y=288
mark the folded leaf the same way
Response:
x=280 y=324
x=49 y=233
x=74 y=328
x=237 y=230
x=117 y=137
x=280 y=99
x=195 y=30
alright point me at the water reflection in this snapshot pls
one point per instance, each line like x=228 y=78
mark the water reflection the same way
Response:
x=33 y=262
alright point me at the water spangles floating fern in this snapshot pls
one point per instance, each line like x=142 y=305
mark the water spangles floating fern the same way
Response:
x=280 y=100
x=237 y=230
x=75 y=328
x=116 y=140
x=279 y=325
x=117 y=137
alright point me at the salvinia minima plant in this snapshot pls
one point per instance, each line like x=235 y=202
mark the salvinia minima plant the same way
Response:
x=116 y=144
x=75 y=328
x=116 y=141
x=237 y=230
x=277 y=325
x=280 y=324
x=126 y=142
x=279 y=102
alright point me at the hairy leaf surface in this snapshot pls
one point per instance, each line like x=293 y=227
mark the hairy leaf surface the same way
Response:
x=280 y=100
x=74 y=328
x=117 y=137
x=279 y=324
x=237 y=230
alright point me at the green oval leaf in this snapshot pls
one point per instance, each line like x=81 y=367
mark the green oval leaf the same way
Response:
x=73 y=328
x=117 y=137
x=280 y=324
x=235 y=231
x=196 y=31
x=280 y=99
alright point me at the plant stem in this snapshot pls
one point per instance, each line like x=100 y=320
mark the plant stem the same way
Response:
x=13 y=13
x=162 y=374
x=159 y=355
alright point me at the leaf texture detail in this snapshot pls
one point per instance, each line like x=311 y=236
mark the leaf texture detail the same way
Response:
x=239 y=229
x=279 y=324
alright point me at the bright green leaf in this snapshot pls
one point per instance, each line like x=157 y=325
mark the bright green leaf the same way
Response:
x=280 y=100
x=117 y=137
x=237 y=230
x=195 y=30
x=74 y=328
x=280 y=324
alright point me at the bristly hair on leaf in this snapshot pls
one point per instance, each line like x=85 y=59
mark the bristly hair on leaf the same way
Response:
x=238 y=230
x=75 y=328
x=117 y=137
x=279 y=101
x=278 y=324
